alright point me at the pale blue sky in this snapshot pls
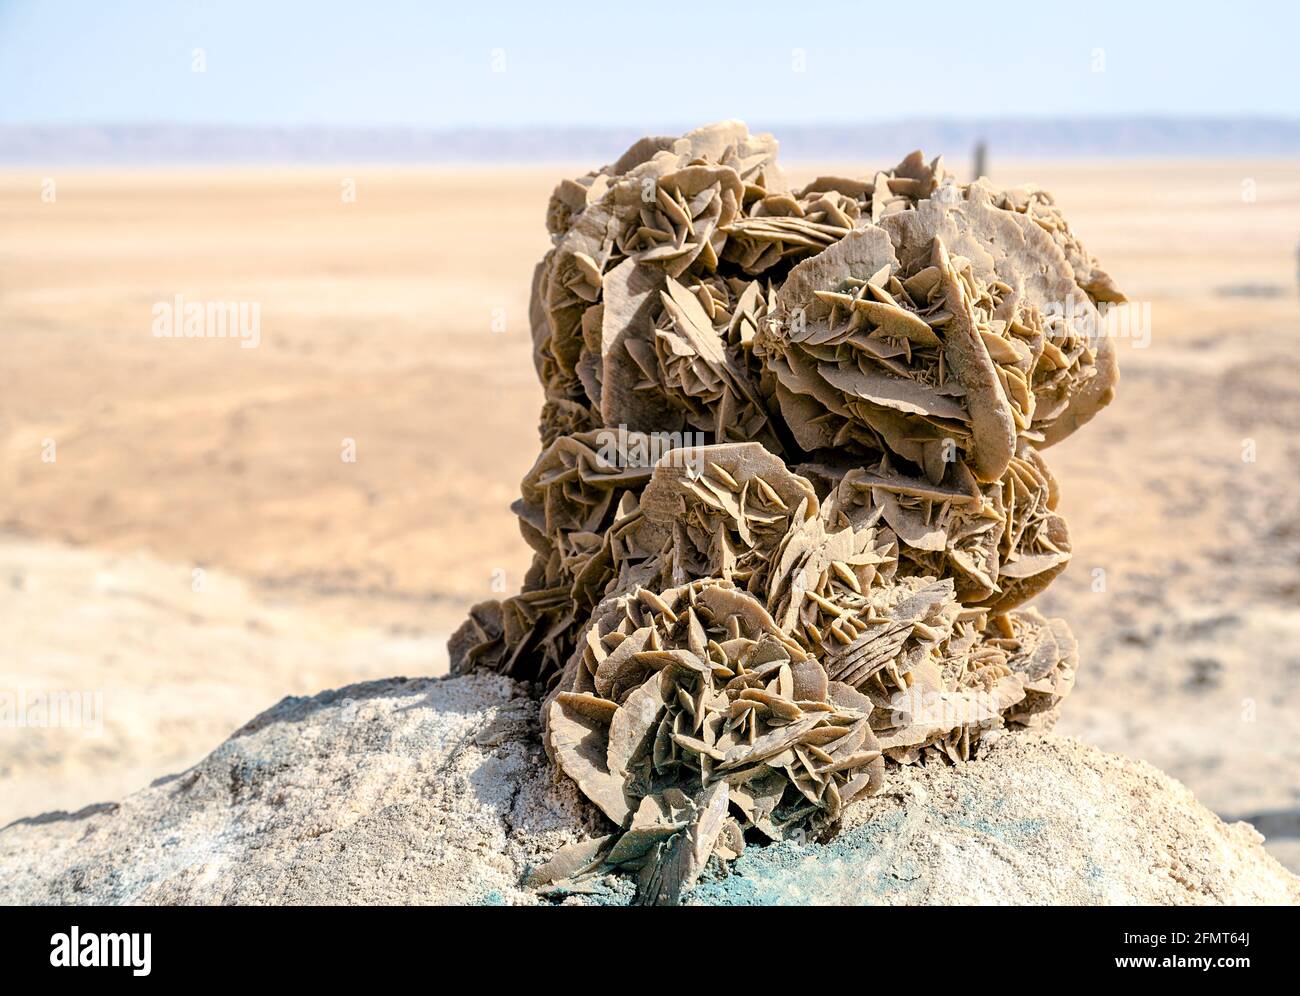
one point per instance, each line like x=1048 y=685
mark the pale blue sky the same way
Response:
x=385 y=62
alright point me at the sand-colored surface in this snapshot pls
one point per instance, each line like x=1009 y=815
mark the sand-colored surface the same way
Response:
x=399 y=321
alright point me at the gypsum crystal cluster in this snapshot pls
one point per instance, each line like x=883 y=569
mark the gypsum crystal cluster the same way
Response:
x=791 y=498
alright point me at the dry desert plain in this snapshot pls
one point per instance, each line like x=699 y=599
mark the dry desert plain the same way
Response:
x=182 y=540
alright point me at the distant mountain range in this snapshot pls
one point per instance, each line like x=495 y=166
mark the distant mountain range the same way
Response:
x=37 y=145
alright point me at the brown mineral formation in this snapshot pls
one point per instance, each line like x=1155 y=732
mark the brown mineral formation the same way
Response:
x=791 y=498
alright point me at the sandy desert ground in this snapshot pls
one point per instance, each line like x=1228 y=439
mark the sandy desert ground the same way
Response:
x=182 y=542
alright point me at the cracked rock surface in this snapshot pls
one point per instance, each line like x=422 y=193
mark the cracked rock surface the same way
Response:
x=437 y=791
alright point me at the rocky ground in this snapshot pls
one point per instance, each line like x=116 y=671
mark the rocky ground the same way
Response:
x=435 y=791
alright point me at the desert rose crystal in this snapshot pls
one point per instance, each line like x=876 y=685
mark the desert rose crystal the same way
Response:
x=791 y=498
